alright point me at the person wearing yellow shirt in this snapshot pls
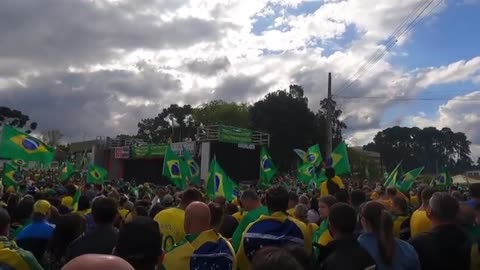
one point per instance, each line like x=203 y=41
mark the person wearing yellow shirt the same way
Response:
x=321 y=237
x=333 y=183
x=419 y=222
x=276 y=229
x=401 y=219
x=83 y=208
x=202 y=247
x=171 y=220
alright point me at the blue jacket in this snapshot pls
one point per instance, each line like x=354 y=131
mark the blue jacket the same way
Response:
x=405 y=257
x=37 y=229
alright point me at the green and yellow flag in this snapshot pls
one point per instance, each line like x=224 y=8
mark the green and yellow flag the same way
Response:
x=306 y=172
x=392 y=177
x=193 y=168
x=8 y=178
x=67 y=171
x=314 y=156
x=267 y=168
x=404 y=184
x=174 y=168
x=15 y=144
x=340 y=160
x=19 y=162
x=444 y=180
x=218 y=183
x=96 y=175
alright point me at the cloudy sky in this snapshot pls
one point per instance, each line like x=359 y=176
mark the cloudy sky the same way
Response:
x=96 y=67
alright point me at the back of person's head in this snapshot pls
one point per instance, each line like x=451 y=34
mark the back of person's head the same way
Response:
x=140 y=244
x=458 y=196
x=197 y=218
x=23 y=211
x=41 y=210
x=376 y=219
x=474 y=190
x=443 y=208
x=419 y=191
x=301 y=255
x=301 y=212
x=391 y=191
x=83 y=203
x=249 y=194
x=342 y=196
x=67 y=228
x=231 y=209
x=330 y=172
x=104 y=210
x=342 y=220
x=216 y=212
x=97 y=262
x=71 y=189
x=220 y=200
x=190 y=195
x=357 y=198
x=277 y=199
x=328 y=200
x=155 y=210
x=303 y=199
x=4 y=222
x=293 y=198
x=401 y=204
x=427 y=194
x=274 y=258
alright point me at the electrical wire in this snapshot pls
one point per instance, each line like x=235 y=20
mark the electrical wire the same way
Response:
x=407 y=99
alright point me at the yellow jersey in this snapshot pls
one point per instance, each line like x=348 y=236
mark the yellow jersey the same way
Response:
x=419 y=223
x=171 y=226
x=239 y=215
x=324 y=188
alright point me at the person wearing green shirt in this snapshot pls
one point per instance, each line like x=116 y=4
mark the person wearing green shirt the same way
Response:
x=251 y=204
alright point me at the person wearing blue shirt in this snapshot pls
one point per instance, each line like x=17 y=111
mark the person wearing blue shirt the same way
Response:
x=35 y=236
x=389 y=253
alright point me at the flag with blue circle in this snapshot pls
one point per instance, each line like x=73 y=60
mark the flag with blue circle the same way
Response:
x=218 y=183
x=193 y=168
x=174 y=168
x=267 y=168
x=15 y=144
x=313 y=155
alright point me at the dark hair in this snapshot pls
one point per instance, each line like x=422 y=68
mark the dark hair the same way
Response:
x=475 y=190
x=231 y=209
x=216 y=212
x=141 y=210
x=71 y=189
x=343 y=218
x=83 y=203
x=357 y=197
x=401 y=203
x=220 y=200
x=140 y=243
x=155 y=210
x=292 y=196
x=274 y=258
x=330 y=173
x=427 y=194
x=277 y=199
x=190 y=195
x=329 y=200
x=420 y=189
x=12 y=203
x=249 y=194
x=4 y=219
x=301 y=255
x=342 y=196
x=444 y=207
x=391 y=191
x=23 y=211
x=314 y=204
x=67 y=228
x=382 y=226
x=104 y=210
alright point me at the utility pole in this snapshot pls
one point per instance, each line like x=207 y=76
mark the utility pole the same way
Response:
x=329 y=116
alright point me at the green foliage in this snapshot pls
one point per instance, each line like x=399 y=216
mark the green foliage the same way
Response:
x=16 y=119
x=427 y=147
x=219 y=112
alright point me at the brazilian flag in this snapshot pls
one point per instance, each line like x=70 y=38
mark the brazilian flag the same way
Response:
x=392 y=177
x=306 y=172
x=314 y=156
x=444 y=180
x=15 y=144
x=267 y=168
x=175 y=169
x=96 y=175
x=19 y=163
x=193 y=168
x=404 y=184
x=8 y=178
x=218 y=183
x=340 y=160
x=67 y=171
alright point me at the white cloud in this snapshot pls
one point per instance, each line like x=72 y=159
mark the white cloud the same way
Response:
x=454 y=72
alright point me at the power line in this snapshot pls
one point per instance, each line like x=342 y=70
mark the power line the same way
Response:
x=407 y=99
x=405 y=27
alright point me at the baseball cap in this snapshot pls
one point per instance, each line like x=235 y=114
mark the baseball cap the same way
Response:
x=41 y=207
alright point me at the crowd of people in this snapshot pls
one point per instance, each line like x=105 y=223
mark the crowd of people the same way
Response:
x=353 y=225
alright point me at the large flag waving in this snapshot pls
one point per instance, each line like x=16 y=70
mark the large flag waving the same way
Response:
x=193 y=169
x=267 y=168
x=67 y=171
x=340 y=159
x=392 y=177
x=174 y=168
x=15 y=144
x=314 y=156
x=444 y=180
x=8 y=179
x=96 y=175
x=406 y=181
x=218 y=183
x=306 y=172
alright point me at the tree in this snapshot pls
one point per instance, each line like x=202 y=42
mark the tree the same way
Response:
x=52 y=137
x=219 y=112
x=16 y=119
x=427 y=147
x=291 y=124
x=174 y=122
